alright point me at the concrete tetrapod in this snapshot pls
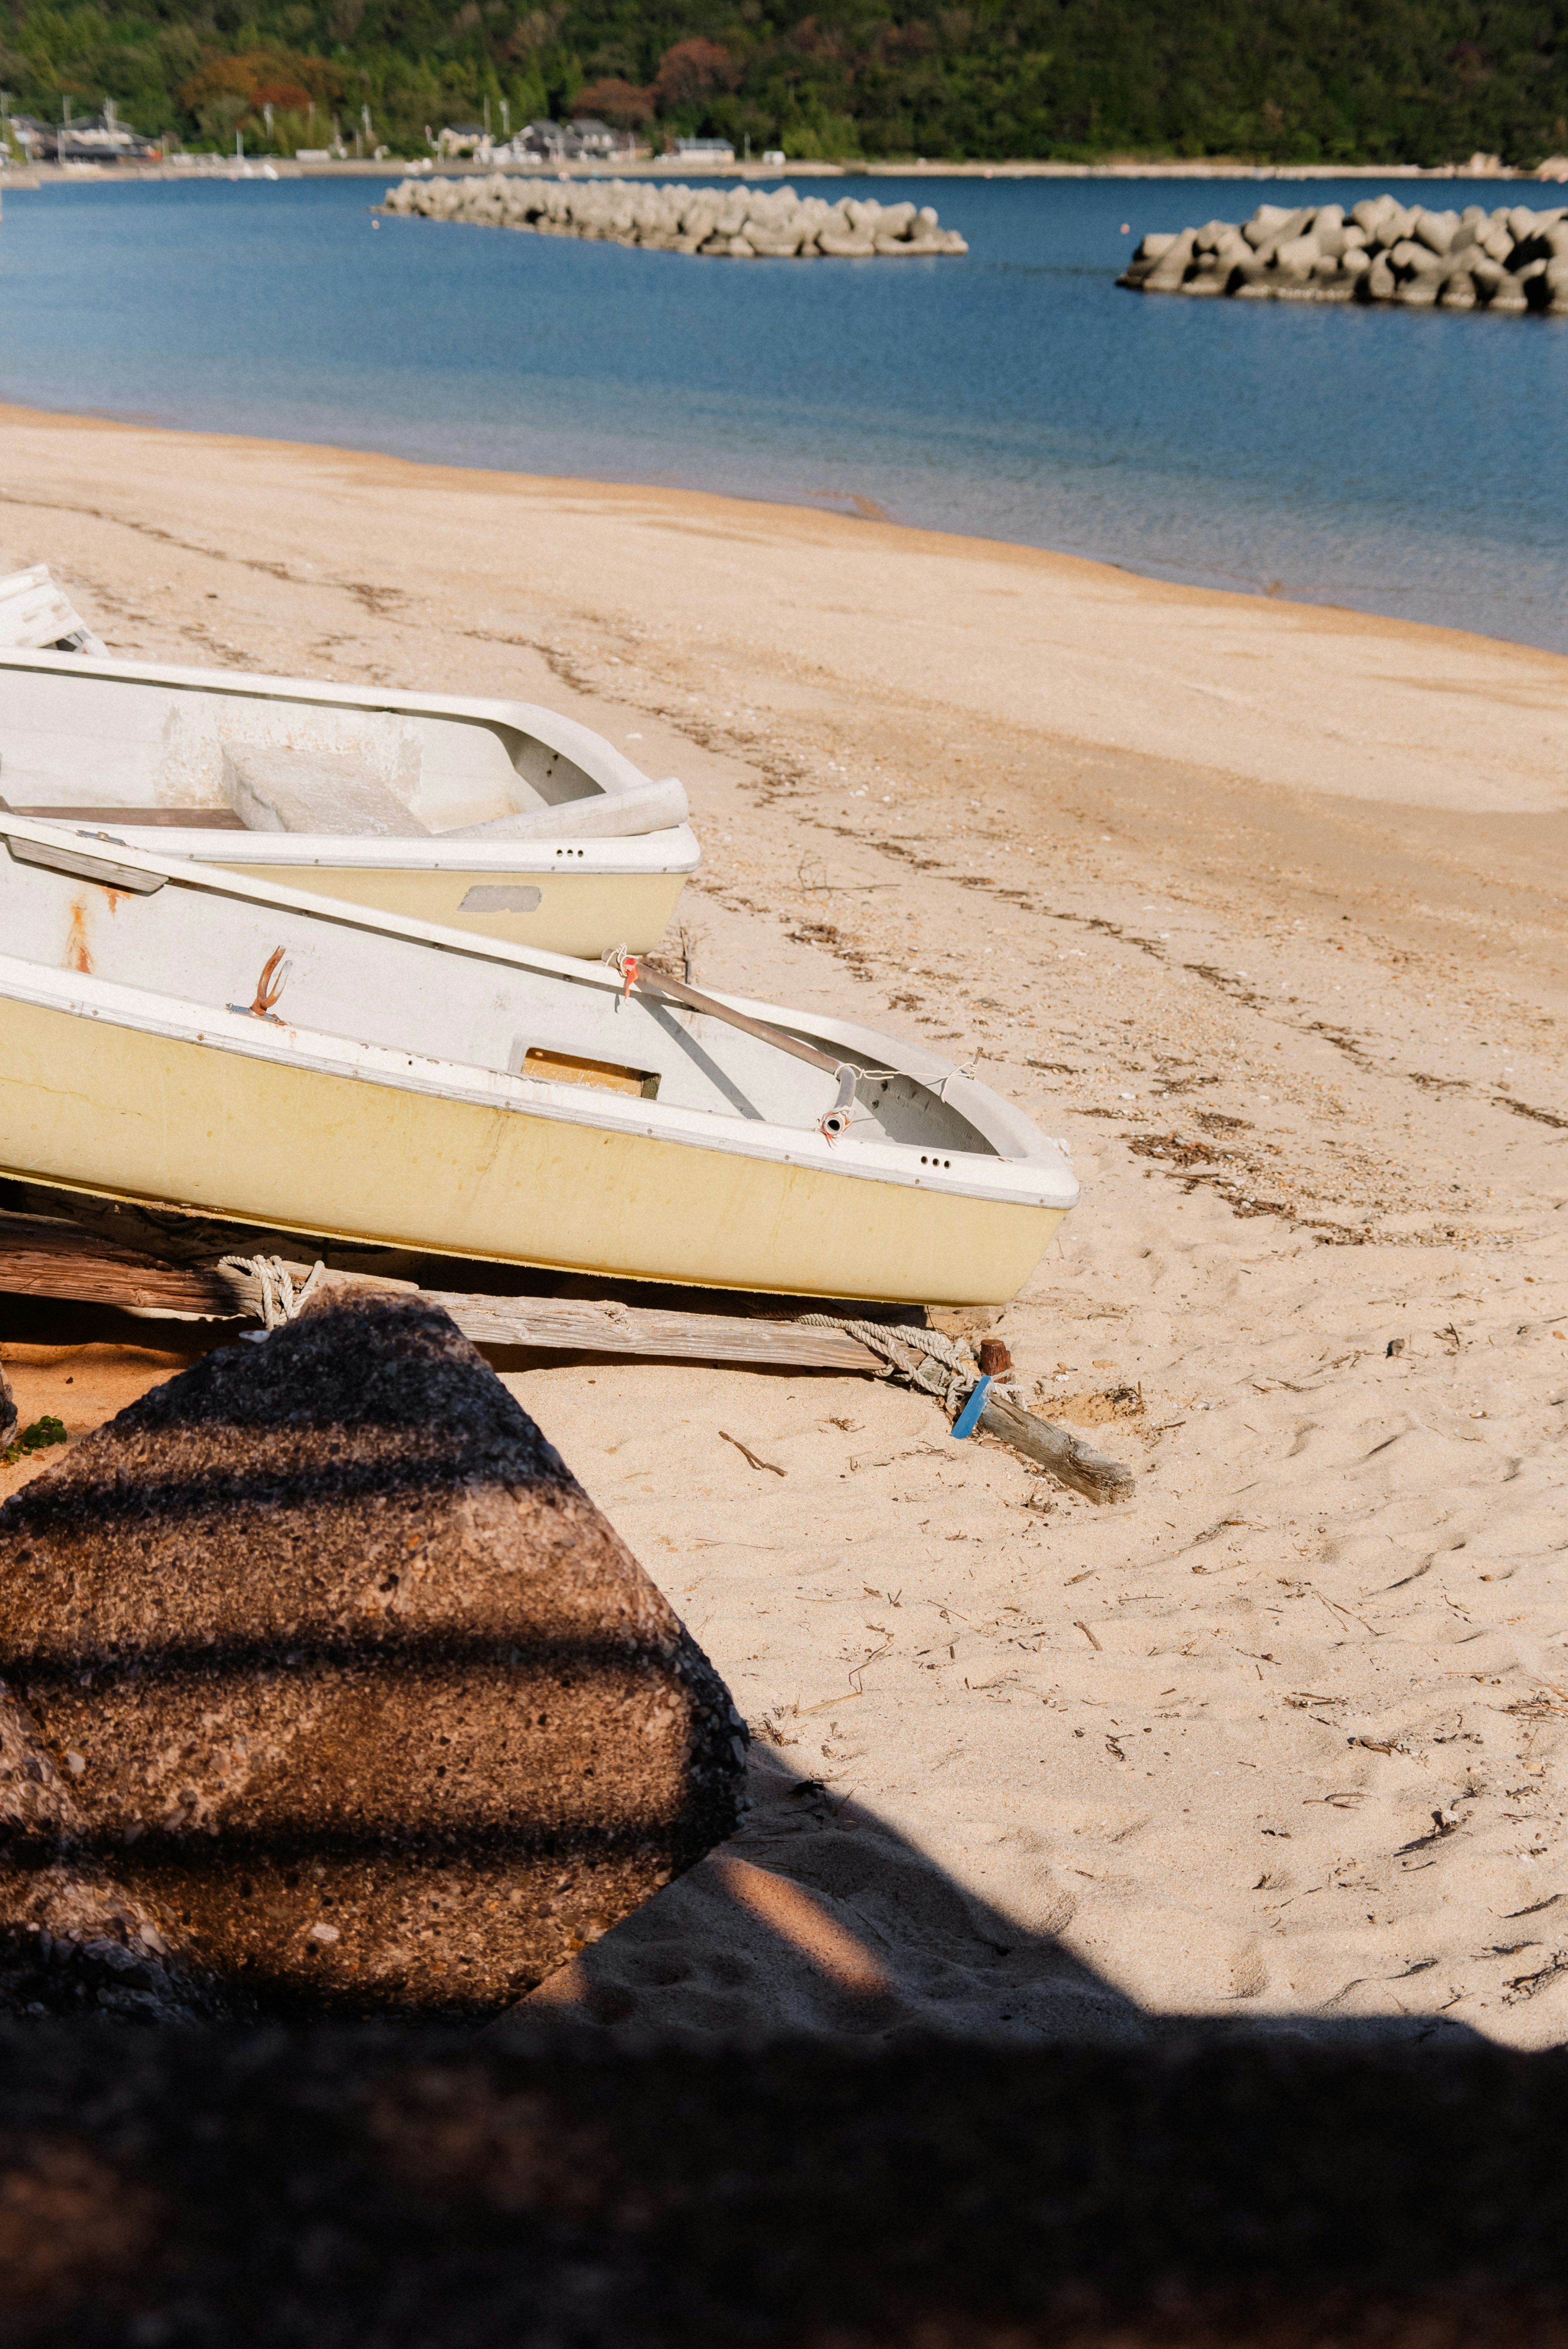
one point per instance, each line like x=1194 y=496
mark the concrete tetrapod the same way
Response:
x=743 y=223
x=1511 y=259
x=324 y=1686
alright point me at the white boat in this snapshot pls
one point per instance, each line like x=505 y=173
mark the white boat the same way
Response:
x=493 y=816
x=183 y=1037
x=36 y=611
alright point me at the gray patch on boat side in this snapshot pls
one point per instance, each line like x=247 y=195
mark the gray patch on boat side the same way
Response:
x=500 y=897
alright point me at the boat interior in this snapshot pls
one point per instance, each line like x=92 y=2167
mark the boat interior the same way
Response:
x=213 y=945
x=107 y=742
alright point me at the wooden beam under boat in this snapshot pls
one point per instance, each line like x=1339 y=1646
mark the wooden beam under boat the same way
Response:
x=45 y=1257
x=51 y=1257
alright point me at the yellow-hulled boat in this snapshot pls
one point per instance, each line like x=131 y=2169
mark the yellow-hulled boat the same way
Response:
x=498 y=817
x=175 y=1035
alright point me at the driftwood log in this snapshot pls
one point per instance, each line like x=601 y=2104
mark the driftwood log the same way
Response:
x=42 y=1256
x=1069 y=1459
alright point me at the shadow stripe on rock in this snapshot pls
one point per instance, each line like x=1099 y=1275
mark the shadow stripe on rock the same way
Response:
x=296 y=1844
x=40 y=1667
x=401 y=1473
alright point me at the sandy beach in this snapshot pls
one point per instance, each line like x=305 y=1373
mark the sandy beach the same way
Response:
x=1263 y=907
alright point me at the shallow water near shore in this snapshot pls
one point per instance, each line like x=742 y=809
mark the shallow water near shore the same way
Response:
x=1393 y=463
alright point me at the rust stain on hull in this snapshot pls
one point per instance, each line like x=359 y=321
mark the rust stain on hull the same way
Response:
x=77 y=955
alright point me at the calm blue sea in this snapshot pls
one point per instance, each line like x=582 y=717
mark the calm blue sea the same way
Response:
x=1411 y=464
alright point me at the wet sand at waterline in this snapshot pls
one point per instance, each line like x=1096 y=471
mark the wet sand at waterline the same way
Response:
x=1263 y=907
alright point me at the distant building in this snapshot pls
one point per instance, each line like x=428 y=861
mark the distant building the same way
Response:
x=93 y=139
x=705 y=151
x=32 y=137
x=540 y=139
x=584 y=140
x=465 y=138
x=595 y=142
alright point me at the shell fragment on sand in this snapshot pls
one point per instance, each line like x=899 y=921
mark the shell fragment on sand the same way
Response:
x=1380 y=251
x=326 y=1685
x=739 y=223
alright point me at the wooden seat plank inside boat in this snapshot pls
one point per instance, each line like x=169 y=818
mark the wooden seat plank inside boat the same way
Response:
x=181 y=818
x=608 y=1076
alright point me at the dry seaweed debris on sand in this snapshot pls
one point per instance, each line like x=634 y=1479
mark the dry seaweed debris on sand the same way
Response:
x=1511 y=259
x=325 y=1687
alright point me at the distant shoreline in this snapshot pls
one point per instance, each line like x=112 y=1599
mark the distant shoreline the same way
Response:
x=278 y=167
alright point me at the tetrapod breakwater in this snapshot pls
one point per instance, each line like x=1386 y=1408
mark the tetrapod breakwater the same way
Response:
x=739 y=223
x=1511 y=258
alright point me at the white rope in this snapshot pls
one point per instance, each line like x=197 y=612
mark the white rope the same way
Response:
x=948 y=1370
x=278 y=1300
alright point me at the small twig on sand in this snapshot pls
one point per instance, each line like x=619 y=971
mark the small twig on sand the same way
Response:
x=746 y=1454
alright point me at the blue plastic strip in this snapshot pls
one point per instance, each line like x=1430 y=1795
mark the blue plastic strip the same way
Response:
x=968 y=1419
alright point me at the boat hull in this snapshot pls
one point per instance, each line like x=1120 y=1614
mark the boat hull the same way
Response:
x=175 y=1120
x=565 y=912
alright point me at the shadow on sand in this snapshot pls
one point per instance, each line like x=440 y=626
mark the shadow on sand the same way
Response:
x=814 y=2094
x=820 y=1920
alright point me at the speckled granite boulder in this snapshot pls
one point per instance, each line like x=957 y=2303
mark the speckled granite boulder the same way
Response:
x=319 y=1669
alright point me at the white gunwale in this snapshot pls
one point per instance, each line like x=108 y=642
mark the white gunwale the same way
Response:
x=673 y=850
x=598 y=758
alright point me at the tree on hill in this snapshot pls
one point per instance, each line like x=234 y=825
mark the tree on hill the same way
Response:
x=1279 y=80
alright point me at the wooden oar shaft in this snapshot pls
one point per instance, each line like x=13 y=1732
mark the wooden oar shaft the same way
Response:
x=656 y=984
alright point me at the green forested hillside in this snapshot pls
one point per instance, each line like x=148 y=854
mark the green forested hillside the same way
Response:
x=1280 y=80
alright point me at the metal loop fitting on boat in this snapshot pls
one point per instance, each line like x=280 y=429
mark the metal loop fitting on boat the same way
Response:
x=837 y=1120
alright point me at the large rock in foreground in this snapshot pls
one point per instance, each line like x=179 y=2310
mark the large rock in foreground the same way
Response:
x=325 y=1684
